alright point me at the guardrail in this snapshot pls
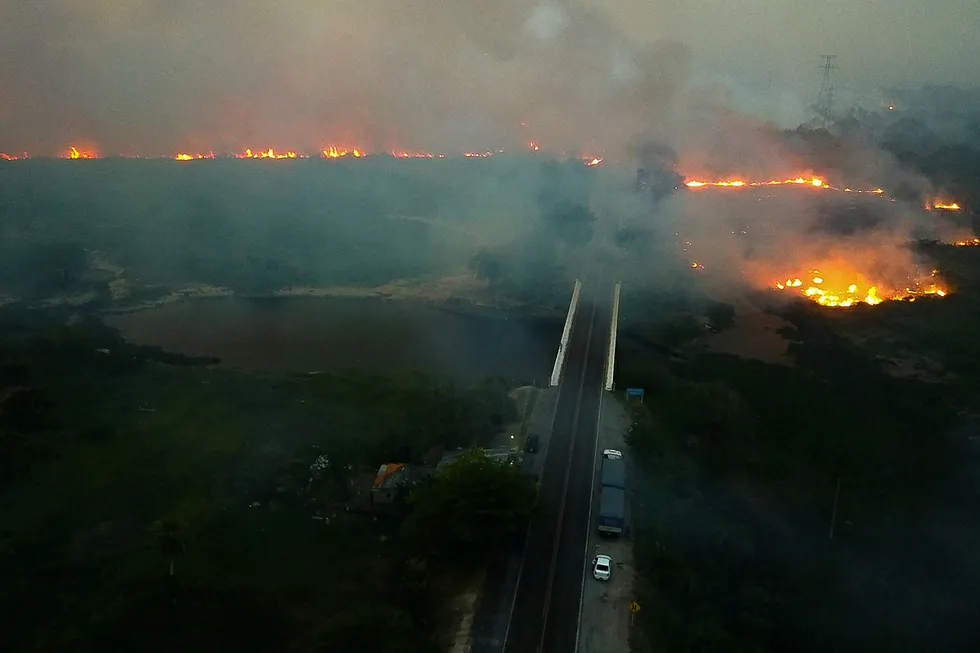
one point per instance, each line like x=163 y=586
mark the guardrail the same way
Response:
x=560 y=358
x=611 y=354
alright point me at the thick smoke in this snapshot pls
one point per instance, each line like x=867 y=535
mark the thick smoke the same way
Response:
x=157 y=77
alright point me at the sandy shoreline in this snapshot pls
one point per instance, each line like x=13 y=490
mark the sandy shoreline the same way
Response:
x=457 y=293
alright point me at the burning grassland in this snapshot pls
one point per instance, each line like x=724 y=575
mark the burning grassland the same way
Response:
x=807 y=180
x=943 y=205
x=861 y=269
x=815 y=182
x=331 y=151
x=836 y=249
x=75 y=153
x=837 y=288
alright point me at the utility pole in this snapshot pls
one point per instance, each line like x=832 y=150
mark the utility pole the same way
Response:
x=770 y=110
x=833 y=517
x=825 y=101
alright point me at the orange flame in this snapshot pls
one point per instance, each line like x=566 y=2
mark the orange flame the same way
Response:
x=594 y=162
x=74 y=153
x=334 y=152
x=943 y=205
x=328 y=152
x=191 y=157
x=816 y=182
x=973 y=242
x=802 y=180
x=845 y=289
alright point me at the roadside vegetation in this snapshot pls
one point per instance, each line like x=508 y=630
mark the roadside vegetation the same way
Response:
x=152 y=502
x=738 y=546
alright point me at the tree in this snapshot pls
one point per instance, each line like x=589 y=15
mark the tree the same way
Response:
x=721 y=315
x=462 y=512
x=169 y=540
x=488 y=265
x=679 y=330
x=572 y=223
x=378 y=627
x=716 y=414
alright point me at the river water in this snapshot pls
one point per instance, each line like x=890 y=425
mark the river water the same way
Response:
x=305 y=334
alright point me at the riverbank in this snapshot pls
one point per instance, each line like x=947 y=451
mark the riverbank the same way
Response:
x=324 y=332
x=454 y=287
x=458 y=292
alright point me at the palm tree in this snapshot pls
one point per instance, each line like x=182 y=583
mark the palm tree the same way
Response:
x=487 y=265
x=169 y=540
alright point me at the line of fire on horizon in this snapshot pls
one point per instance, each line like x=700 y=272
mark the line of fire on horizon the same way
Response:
x=813 y=182
x=937 y=204
x=329 y=152
x=339 y=152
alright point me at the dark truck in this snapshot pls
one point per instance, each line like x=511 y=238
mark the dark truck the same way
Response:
x=614 y=473
x=612 y=510
x=612 y=498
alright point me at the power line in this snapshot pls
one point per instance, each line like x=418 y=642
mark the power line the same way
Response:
x=825 y=100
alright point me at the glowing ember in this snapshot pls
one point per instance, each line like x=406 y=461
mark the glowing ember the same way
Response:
x=182 y=156
x=74 y=153
x=875 y=191
x=416 y=155
x=478 y=155
x=13 y=157
x=267 y=154
x=534 y=146
x=595 y=161
x=697 y=266
x=838 y=293
x=943 y=205
x=974 y=242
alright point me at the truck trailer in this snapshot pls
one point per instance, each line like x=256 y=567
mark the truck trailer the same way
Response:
x=614 y=473
x=612 y=510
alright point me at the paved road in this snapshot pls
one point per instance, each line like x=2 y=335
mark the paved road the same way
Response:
x=545 y=615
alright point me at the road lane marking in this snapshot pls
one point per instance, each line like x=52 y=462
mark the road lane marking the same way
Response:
x=527 y=534
x=588 y=525
x=568 y=473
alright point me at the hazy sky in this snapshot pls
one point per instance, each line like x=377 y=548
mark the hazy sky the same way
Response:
x=158 y=76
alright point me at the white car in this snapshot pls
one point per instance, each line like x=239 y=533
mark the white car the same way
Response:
x=612 y=453
x=602 y=567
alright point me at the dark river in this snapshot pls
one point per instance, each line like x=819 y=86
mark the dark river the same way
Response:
x=305 y=334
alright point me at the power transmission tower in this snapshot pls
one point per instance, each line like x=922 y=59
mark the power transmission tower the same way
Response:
x=825 y=101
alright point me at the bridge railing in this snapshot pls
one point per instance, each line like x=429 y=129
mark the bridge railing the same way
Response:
x=565 y=335
x=614 y=327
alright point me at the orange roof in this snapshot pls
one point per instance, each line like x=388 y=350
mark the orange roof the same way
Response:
x=385 y=471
